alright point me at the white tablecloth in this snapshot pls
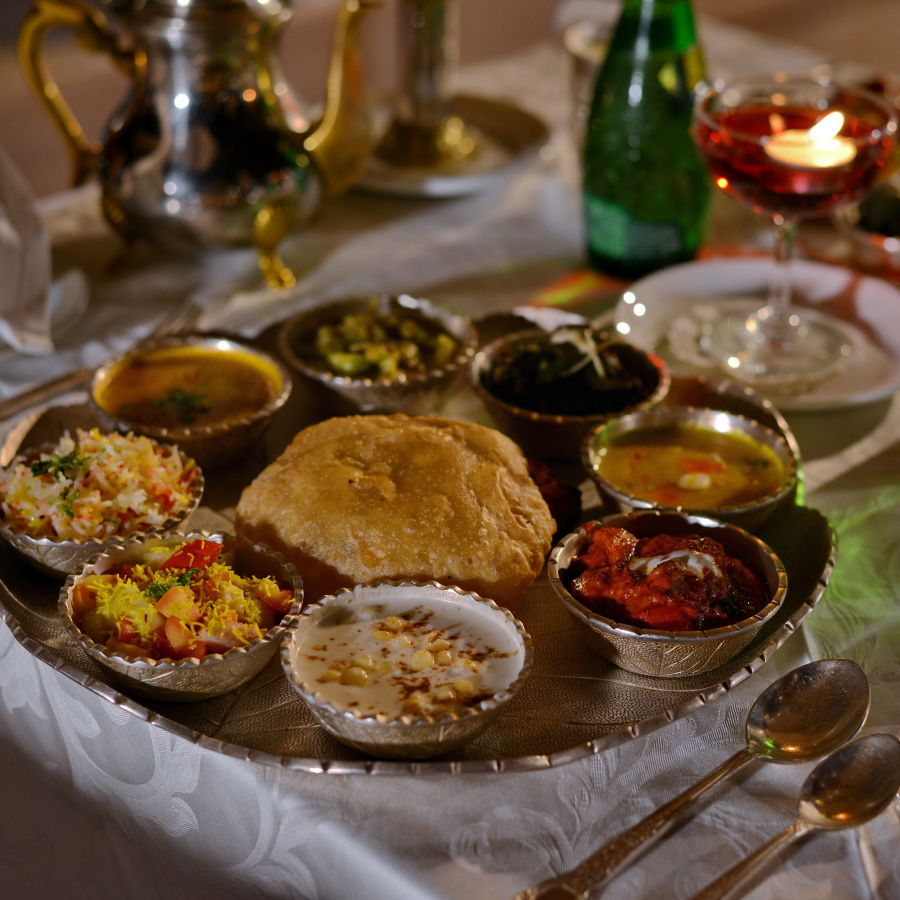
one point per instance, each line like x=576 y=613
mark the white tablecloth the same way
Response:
x=97 y=803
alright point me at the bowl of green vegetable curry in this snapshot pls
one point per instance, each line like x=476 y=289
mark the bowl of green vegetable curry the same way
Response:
x=384 y=353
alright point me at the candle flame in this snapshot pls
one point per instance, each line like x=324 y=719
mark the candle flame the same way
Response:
x=820 y=146
x=827 y=128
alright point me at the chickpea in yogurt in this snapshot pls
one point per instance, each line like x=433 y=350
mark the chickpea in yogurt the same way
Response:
x=391 y=662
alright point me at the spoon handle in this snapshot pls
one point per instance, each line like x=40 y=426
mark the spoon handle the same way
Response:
x=45 y=391
x=601 y=864
x=752 y=864
x=178 y=320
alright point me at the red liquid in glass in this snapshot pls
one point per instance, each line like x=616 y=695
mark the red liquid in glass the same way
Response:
x=741 y=167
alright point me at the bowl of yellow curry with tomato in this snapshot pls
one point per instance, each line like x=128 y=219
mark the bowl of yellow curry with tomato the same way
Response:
x=696 y=460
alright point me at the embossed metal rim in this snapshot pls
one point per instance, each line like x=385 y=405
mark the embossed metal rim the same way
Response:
x=315 y=701
x=485 y=356
x=728 y=387
x=664 y=415
x=531 y=763
x=194 y=432
x=428 y=767
x=30 y=546
x=754 y=622
x=161 y=666
x=457 y=325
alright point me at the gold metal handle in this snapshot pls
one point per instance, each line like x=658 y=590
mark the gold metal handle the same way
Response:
x=728 y=884
x=340 y=143
x=95 y=34
x=272 y=223
x=603 y=863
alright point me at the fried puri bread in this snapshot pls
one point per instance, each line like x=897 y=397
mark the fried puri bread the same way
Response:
x=357 y=499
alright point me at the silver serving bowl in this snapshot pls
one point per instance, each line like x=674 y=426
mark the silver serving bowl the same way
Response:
x=413 y=393
x=187 y=679
x=670 y=654
x=59 y=558
x=750 y=515
x=214 y=444
x=559 y=437
x=394 y=734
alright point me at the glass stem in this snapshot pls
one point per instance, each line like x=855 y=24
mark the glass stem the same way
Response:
x=779 y=300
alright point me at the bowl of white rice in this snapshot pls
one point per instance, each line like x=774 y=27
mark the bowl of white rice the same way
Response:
x=62 y=503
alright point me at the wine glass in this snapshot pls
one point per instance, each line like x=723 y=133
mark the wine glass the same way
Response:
x=791 y=148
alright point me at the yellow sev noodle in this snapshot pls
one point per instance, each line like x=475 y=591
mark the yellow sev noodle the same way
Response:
x=118 y=484
x=229 y=600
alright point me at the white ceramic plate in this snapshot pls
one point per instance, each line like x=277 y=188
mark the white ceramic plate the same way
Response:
x=653 y=315
x=512 y=138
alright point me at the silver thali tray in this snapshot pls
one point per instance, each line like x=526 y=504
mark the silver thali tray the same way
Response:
x=573 y=705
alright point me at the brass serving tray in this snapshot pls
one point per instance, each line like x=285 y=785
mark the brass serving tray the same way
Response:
x=572 y=706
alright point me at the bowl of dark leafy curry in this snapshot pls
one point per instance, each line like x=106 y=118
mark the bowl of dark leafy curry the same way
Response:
x=383 y=353
x=548 y=389
x=211 y=395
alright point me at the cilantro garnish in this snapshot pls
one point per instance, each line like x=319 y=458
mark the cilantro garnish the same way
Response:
x=67 y=499
x=66 y=466
x=156 y=589
x=188 y=406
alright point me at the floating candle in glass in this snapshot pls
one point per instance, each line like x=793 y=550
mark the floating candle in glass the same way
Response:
x=818 y=147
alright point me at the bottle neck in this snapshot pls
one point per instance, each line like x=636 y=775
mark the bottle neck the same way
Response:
x=646 y=24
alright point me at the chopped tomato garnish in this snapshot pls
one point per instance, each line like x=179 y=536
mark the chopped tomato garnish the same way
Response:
x=182 y=641
x=126 y=632
x=178 y=601
x=193 y=555
x=694 y=464
x=273 y=596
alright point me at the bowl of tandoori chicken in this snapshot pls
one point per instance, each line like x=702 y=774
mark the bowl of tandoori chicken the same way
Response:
x=664 y=593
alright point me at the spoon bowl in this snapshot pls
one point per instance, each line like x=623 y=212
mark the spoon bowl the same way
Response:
x=853 y=784
x=811 y=711
x=848 y=788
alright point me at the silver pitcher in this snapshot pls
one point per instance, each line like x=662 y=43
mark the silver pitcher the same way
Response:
x=201 y=152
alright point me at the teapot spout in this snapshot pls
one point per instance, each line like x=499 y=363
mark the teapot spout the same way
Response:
x=341 y=143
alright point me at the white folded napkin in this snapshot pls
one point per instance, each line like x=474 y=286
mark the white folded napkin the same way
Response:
x=30 y=305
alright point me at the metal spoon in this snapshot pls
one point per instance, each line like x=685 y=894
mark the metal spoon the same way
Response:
x=807 y=713
x=180 y=318
x=853 y=785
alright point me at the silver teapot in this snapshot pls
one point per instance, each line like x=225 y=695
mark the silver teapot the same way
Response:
x=201 y=152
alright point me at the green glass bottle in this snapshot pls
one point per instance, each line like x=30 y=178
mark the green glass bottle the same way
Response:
x=646 y=191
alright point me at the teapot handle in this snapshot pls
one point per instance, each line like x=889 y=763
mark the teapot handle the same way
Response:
x=94 y=33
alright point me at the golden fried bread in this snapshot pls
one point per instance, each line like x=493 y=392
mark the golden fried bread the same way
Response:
x=357 y=499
